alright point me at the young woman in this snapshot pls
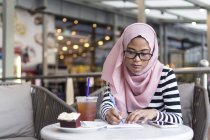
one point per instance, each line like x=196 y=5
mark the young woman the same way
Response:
x=139 y=87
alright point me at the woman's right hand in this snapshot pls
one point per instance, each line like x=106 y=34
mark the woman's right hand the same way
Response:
x=113 y=116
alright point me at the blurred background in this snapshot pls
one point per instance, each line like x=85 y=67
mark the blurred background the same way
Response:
x=59 y=43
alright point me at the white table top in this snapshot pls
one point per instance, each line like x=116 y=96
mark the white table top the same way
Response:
x=147 y=132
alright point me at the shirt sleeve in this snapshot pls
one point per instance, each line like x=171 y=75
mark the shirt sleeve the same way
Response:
x=107 y=102
x=171 y=98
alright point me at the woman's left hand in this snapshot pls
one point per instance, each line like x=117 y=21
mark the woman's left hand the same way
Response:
x=142 y=114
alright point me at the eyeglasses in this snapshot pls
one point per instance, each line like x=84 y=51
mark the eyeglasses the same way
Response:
x=141 y=55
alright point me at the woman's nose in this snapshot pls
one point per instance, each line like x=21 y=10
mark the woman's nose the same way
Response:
x=137 y=58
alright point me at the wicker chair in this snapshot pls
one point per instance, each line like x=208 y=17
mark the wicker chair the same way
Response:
x=46 y=107
x=195 y=109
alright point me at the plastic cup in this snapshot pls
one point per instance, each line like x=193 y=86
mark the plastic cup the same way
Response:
x=87 y=107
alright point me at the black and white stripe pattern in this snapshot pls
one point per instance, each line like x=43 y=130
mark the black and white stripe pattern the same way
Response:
x=166 y=99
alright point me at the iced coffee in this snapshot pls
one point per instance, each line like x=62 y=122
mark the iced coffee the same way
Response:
x=87 y=107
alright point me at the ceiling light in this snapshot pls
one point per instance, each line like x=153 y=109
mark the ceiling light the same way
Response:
x=107 y=37
x=64 y=48
x=64 y=19
x=60 y=37
x=94 y=25
x=100 y=43
x=61 y=56
x=58 y=30
x=86 y=45
x=73 y=33
x=76 y=21
x=75 y=47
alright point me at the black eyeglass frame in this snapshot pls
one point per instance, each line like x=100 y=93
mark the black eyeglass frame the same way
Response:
x=138 y=54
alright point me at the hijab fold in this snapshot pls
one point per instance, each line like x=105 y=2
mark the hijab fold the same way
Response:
x=133 y=92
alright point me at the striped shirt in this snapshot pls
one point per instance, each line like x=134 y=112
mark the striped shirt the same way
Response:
x=166 y=99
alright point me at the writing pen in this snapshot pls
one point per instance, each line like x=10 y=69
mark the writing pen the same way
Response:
x=113 y=101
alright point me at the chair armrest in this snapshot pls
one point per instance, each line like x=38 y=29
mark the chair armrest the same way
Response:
x=46 y=107
x=201 y=114
x=99 y=94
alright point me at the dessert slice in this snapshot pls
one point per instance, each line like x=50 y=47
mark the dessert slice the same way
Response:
x=69 y=120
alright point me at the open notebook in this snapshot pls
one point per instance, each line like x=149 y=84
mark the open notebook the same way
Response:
x=109 y=126
x=124 y=125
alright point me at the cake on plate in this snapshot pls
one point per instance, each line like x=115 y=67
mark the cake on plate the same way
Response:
x=69 y=120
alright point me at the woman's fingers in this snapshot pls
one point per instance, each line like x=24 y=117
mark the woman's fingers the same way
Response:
x=135 y=116
x=112 y=116
x=143 y=114
x=116 y=113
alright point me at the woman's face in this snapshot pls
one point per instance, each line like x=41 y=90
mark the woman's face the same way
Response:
x=133 y=62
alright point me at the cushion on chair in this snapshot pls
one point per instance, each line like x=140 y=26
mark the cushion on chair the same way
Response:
x=186 y=91
x=16 y=111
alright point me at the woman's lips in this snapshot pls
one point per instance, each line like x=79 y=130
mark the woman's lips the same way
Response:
x=136 y=66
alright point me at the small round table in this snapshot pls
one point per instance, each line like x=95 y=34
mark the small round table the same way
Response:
x=147 y=132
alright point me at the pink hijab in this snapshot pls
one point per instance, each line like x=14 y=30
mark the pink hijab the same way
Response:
x=132 y=92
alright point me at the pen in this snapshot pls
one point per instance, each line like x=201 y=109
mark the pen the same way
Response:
x=113 y=101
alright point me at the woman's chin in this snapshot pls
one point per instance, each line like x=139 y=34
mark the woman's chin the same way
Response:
x=135 y=71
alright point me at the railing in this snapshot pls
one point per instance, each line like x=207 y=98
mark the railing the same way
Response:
x=192 y=70
x=82 y=75
x=202 y=80
x=202 y=71
x=74 y=86
x=186 y=70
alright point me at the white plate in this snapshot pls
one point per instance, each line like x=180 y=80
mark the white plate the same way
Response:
x=86 y=126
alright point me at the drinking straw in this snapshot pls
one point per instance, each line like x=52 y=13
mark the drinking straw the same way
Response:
x=88 y=86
